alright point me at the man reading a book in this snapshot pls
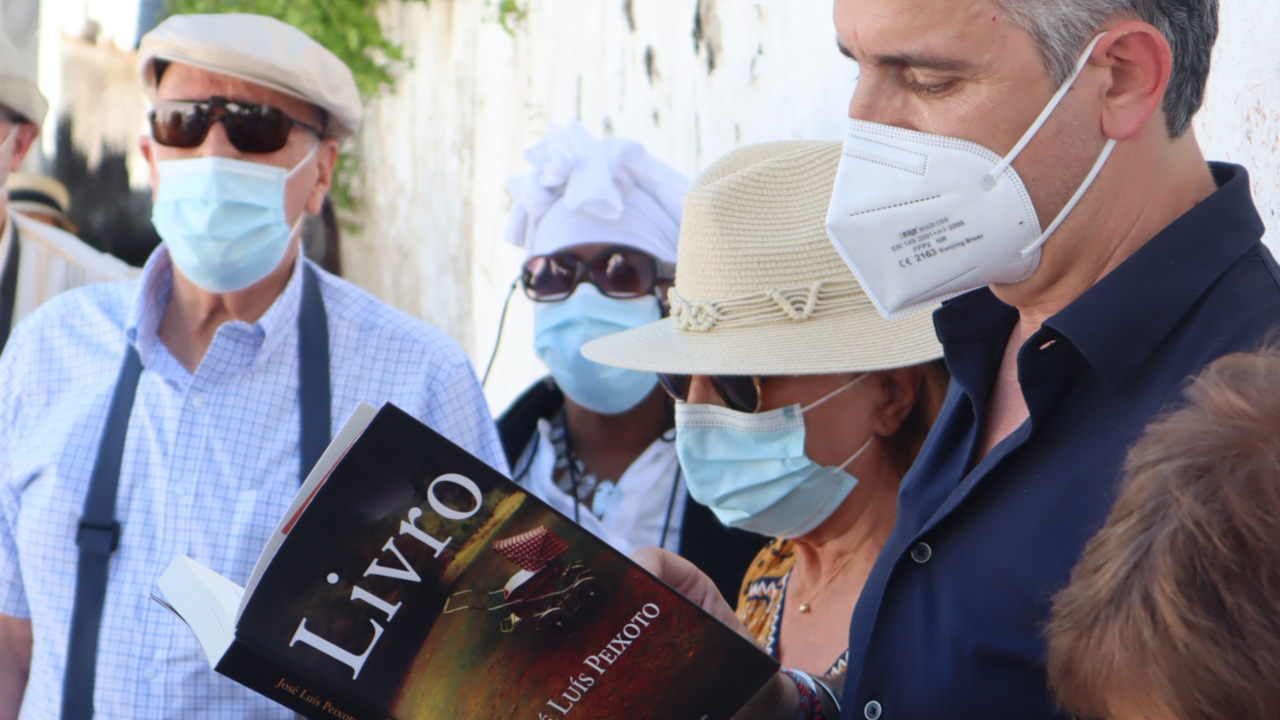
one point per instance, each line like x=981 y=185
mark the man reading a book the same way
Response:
x=1036 y=160
x=179 y=412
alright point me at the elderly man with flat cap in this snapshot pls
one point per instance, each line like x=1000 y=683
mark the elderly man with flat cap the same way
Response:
x=37 y=260
x=178 y=413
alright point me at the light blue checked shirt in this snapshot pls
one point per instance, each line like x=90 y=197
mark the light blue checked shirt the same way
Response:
x=210 y=464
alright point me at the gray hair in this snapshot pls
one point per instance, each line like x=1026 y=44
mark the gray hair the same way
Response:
x=1062 y=28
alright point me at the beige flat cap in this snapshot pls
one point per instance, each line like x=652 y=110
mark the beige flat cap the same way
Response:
x=18 y=89
x=759 y=288
x=262 y=50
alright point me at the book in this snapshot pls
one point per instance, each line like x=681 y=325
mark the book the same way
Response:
x=410 y=580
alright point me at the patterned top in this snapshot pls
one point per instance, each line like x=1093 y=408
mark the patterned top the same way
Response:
x=760 y=601
x=210 y=464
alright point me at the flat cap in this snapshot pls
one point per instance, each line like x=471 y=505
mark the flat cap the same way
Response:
x=18 y=89
x=262 y=50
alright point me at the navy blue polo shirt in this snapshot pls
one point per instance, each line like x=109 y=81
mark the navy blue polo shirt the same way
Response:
x=950 y=623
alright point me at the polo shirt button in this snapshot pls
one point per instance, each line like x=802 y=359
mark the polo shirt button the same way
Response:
x=921 y=552
x=872 y=711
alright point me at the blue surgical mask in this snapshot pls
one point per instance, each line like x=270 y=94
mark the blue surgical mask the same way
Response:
x=751 y=470
x=223 y=219
x=561 y=328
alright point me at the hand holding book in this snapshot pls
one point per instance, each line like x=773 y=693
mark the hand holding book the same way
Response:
x=779 y=698
x=411 y=581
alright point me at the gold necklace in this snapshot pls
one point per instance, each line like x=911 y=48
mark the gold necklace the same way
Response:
x=805 y=606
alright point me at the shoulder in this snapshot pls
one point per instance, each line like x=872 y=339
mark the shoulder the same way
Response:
x=80 y=313
x=368 y=327
x=1239 y=312
x=101 y=266
x=67 y=343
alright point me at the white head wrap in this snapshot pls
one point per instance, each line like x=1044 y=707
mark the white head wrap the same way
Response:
x=584 y=190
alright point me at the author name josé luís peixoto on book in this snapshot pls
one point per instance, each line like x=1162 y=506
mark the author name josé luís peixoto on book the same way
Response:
x=410 y=580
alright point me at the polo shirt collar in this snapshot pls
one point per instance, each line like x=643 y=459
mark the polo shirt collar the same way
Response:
x=1119 y=322
x=155 y=286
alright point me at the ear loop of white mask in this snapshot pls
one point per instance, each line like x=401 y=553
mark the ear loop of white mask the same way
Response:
x=833 y=393
x=990 y=179
x=302 y=215
x=860 y=450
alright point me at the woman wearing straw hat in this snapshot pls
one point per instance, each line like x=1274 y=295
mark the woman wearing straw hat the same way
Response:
x=799 y=408
x=599 y=220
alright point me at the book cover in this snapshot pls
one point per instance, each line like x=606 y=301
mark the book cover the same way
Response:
x=416 y=582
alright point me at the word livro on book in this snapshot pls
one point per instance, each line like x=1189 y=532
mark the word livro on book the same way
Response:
x=404 y=573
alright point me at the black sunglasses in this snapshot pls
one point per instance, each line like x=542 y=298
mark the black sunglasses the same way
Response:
x=250 y=128
x=739 y=392
x=617 y=272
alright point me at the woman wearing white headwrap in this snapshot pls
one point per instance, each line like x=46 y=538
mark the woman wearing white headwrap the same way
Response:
x=599 y=220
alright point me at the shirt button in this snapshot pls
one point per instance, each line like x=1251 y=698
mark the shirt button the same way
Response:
x=872 y=711
x=921 y=552
x=197 y=402
x=179 y=490
x=150 y=672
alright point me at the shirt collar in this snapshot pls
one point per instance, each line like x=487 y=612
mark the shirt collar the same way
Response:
x=142 y=324
x=1119 y=322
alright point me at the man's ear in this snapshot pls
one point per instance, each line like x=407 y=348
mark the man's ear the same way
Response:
x=899 y=389
x=1139 y=60
x=23 y=138
x=144 y=145
x=326 y=160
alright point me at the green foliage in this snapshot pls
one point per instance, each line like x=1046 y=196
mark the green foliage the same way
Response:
x=349 y=28
x=508 y=14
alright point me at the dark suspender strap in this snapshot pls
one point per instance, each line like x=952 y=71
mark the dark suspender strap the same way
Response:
x=314 y=399
x=98 y=536
x=9 y=284
x=99 y=532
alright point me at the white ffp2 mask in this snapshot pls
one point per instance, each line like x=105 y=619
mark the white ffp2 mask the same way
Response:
x=920 y=218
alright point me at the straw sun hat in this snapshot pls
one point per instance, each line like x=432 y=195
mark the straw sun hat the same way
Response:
x=759 y=288
x=41 y=195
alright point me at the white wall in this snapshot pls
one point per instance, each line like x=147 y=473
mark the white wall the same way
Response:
x=438 y=150
x=1241 y=118
x=475 y=109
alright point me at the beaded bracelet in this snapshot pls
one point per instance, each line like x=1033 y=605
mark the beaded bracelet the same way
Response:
x=810 y=697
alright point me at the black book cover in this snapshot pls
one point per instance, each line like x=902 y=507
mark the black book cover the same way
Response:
x=417 y=582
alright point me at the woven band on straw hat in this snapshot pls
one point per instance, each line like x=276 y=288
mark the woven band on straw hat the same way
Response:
x=759 y=288
x=40 y=194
